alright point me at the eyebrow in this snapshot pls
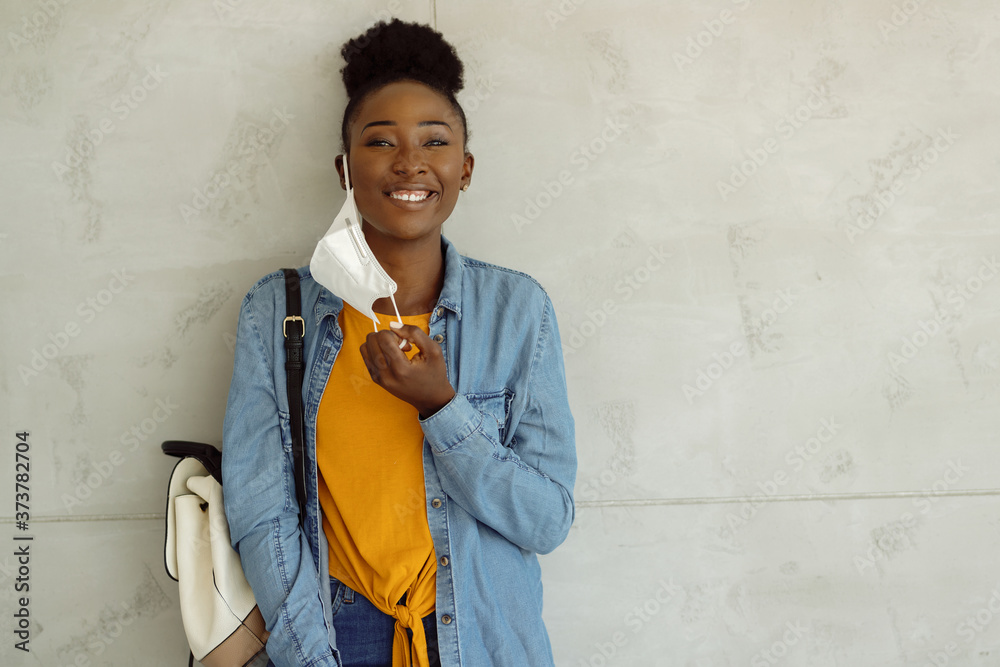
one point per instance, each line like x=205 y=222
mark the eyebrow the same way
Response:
x=392 y=123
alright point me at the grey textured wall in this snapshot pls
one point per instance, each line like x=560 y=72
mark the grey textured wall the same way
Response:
x=769 y=228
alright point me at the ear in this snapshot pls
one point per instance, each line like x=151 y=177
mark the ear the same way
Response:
x=338 y=162
x=470 y=162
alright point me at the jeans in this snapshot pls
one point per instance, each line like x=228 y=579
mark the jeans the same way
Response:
x=365 y=634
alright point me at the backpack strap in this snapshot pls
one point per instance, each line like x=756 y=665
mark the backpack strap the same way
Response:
x=207 y=455
x=294 y=329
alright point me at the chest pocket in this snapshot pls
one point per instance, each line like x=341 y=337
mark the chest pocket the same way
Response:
x=495 y=406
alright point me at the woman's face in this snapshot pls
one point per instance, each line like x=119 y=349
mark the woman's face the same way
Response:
x=407 y=161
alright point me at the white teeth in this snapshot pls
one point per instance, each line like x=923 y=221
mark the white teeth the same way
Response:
x=409 y=197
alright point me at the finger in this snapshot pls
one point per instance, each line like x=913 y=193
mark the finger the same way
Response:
x=417 y=337
x=379 y=366
x=375 y=358
x=372 y=371
x=387 y=343
x=404 y=344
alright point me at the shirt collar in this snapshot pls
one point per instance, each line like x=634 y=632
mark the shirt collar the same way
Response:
x=451 y=292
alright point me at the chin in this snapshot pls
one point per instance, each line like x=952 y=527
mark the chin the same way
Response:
x=404 y=232
x=406 y=226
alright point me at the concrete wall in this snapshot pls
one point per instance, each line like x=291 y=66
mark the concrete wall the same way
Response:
x=769 y=228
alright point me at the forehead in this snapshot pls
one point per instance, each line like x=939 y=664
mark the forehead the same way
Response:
x=405 y=102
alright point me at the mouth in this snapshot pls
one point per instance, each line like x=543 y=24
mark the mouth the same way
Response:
x=411 y=195
x=413 y=198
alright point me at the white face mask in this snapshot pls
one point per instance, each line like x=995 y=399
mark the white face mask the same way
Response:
x=344 y=264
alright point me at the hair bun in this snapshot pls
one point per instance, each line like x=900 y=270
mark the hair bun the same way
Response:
x=397 y=50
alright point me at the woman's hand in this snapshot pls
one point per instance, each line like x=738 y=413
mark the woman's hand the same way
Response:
x=421 y=381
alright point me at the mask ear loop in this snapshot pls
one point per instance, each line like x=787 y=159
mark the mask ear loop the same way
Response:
x=399 y=323
x=395 y=325
x=347 y=174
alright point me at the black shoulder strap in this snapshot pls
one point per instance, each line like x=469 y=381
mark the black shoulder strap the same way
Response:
x=294 y=329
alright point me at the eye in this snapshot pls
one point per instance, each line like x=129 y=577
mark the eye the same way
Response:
x=437 y=142
x=377 y=141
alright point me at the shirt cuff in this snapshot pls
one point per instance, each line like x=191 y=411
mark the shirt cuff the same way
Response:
x=451 y=425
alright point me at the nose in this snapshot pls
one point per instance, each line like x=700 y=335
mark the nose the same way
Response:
x=409 y=160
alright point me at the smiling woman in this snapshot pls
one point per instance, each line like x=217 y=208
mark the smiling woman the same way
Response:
x=439 y=448
x=408 y=165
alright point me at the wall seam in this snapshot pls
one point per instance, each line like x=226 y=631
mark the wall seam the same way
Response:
x=762 y=498
x=614 y=502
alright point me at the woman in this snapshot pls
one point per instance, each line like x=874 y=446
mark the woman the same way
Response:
x=440 y=451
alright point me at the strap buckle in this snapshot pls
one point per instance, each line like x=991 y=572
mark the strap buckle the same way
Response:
x=293 y=318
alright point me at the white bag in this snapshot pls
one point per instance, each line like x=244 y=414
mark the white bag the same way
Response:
x=224 y=627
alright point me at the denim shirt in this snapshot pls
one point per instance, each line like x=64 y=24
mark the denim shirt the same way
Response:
x=499 y=467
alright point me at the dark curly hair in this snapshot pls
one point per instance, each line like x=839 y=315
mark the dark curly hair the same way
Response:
x=398 y=51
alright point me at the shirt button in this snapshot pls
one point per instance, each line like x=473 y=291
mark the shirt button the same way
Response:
x=444 y=561
x=446 y=619
x=438 y=338
x=436 y=503
x=439 y=312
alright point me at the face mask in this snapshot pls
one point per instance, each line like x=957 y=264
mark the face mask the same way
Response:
x=344 y=264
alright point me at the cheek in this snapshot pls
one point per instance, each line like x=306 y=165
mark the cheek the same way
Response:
x=364 y=173
x=452 y=171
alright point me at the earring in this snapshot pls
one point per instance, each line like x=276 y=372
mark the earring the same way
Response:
x=465 y=187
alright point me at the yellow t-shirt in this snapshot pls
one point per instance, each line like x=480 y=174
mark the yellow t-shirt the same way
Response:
x=369 y=448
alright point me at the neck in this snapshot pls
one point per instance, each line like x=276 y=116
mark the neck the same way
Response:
x=417 y=267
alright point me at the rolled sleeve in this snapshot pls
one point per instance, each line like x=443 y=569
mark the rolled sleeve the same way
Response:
x=524 y=491
x=450 y=426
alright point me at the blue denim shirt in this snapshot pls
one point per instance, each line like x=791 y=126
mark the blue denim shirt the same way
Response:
x=499 y=467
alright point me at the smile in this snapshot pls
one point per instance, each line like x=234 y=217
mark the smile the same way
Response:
x=411 y=195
